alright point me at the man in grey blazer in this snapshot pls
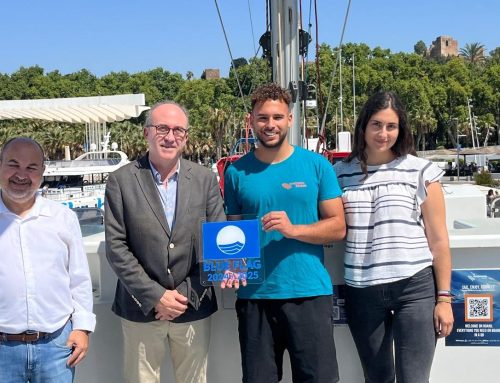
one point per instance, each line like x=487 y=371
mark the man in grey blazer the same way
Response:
x=153 y=213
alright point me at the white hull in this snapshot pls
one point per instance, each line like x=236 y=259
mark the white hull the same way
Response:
x=90 y=171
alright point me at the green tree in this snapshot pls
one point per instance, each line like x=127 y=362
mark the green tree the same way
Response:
x=420 y=48
x=129 y=137
x=434 y=91
x=495 y=55
x=250 y=75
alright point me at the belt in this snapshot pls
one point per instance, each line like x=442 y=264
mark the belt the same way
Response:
x=26 y=337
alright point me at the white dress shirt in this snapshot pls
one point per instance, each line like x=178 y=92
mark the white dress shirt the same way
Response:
x=44 y=273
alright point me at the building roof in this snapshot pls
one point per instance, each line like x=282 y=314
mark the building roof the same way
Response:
x=97 y=109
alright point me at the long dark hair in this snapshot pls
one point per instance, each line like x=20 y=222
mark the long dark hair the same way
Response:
x=380 y=101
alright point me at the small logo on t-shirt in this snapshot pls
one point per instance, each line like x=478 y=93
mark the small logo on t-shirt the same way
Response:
x=291 y=185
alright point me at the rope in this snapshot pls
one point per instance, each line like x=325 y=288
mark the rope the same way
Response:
x=231 y=55
x=319 y=95
x=251 y=27
x=323 y=123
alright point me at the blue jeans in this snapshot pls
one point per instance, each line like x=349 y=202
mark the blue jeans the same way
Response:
x=394 y=319
x=43 y=361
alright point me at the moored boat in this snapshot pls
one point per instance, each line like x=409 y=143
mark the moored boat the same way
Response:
x=81 y=182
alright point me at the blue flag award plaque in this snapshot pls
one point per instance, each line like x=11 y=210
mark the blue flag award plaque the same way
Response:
x=231 y=250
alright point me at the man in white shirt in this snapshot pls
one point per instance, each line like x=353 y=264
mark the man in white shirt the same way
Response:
x=45 y=287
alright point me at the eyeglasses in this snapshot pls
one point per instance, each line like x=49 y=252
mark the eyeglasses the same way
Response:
x=164 y=130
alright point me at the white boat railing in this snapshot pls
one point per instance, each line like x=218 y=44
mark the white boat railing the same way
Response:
x=56 y=164
x=70 y=194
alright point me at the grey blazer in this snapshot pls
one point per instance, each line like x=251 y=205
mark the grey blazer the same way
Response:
x=146 y=255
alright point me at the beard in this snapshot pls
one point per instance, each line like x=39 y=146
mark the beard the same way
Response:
x=274 y=144
x=20 y=196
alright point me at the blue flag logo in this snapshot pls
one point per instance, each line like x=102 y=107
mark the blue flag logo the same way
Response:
x=229 y=240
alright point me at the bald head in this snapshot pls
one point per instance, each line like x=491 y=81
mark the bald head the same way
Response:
x=149 y=114
x=22 y=140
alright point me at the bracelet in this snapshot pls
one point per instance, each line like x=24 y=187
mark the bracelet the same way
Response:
x=444 y=292
x=444 y=295
x=443 y=299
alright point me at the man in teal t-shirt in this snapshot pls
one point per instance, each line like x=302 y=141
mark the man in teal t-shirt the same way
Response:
x=296 y=195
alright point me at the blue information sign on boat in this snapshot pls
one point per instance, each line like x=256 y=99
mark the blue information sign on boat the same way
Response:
x=476 y=308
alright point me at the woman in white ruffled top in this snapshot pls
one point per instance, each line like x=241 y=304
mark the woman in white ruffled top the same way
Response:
x=397 y=257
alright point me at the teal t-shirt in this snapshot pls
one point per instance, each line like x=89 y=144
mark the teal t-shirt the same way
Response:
x=293 y=269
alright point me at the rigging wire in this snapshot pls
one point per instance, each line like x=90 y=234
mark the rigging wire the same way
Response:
x=304 y=55
x=256 y=52
x=323 y=122
x=252 y=85
x=304 y=59
x=302 y=77
x=251 y=27
x=309 y=26
x=310 y=13
x=319 y=95
x=267 y=15
x=231 y=55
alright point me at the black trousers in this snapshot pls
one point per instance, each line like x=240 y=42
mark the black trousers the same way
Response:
x=302 y=326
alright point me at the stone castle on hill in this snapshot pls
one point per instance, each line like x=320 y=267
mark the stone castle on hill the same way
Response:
x=443 y=46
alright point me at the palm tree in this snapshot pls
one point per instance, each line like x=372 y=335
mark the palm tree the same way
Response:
x=219 y=121
x=129 y=137
x=54 y=136
x=473 y=53
x=424 y=123
x=12 y=128
x=5 y=134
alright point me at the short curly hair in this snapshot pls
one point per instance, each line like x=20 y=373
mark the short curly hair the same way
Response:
x=270 y=91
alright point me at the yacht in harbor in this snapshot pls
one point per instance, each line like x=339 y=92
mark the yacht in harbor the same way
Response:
x=81 y=182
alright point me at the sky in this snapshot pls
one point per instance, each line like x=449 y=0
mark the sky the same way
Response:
x=106 y=36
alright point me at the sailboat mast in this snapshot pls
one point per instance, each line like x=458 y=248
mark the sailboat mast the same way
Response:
x=353 y=94
x=285 y=56
x=471 y=124
x=341 y=91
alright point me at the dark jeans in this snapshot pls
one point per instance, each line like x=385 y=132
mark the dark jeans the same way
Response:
x=394 y=319
x=303 y=326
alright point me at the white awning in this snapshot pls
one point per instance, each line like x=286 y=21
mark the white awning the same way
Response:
x=98 y=109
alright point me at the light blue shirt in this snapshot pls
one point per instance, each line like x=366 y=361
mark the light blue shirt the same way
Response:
x=168 y=192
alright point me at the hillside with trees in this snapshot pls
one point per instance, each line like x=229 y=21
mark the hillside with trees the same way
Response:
x=434 y=91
